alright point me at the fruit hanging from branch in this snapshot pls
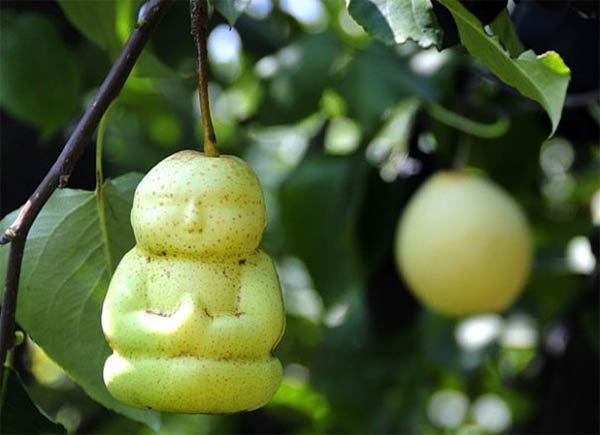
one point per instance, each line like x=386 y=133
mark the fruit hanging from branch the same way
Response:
x=463 y=245
x=194 y=310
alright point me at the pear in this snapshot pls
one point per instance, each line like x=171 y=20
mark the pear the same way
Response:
x=463 y=245
x=194 y=310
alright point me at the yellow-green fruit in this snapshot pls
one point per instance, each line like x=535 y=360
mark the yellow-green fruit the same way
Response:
x=194 y=310
x=463 y=245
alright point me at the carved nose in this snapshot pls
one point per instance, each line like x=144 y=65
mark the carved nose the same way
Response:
x=192 y=218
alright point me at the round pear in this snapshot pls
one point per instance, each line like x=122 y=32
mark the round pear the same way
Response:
x=463 y=245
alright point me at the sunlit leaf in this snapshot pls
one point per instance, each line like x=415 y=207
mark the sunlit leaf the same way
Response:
x=542 y=78
x=395 y=22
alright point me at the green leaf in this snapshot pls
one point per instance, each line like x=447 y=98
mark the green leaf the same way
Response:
x=319 y=204
x=108 y=24
x=19 y=414
x=148 y=65
x=396 y=21
x=307 y=60
x=541 y=78
x=350 y=341
x=304 y=399
x=95 y=20
x=511 y=160
x=502 y=26
x=438 y=342
x=230 y=9
x=64 y=280
x=40 y=79
x=376 y=79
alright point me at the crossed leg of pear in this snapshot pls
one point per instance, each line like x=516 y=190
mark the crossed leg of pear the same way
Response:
x=193 y=336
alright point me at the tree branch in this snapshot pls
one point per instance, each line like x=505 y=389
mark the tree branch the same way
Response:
x=59 y=173
x=9 y=299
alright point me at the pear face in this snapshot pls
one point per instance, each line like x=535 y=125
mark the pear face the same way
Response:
x=463 y=245
x=194 y=310
x=195 y=205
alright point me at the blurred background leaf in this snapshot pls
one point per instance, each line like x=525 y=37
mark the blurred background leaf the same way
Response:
x=41 y=79
x=19 y=414
x=231 y=9
x=97 y=21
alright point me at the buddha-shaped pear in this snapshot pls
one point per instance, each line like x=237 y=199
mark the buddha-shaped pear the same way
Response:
x=195 y=309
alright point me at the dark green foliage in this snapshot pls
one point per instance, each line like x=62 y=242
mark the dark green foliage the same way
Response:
x=19 y=414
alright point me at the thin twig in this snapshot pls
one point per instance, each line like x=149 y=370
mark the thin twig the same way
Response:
x=9 y=299
x=199 y=27
x=59 y=173
x=100 y=200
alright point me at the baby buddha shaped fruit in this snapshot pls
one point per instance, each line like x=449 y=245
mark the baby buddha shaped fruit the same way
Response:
x=463 y=245
x=195 y=309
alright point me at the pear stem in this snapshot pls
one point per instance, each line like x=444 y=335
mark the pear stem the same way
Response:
x=199 y=27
